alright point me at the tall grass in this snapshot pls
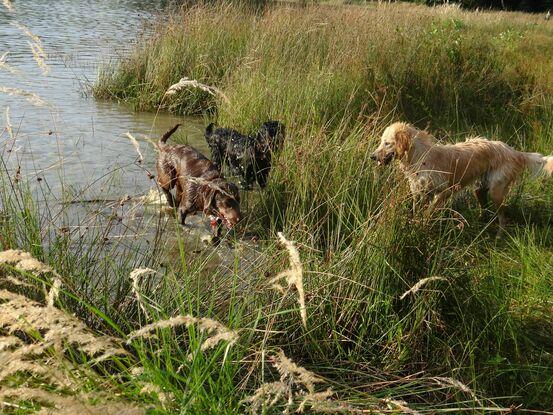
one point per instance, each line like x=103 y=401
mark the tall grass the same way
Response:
x=320 y=64
x=336 y=76
x=139 y=353
x=473 y=335
x=478 y=332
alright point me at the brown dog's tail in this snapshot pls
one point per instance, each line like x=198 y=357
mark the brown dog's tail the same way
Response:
x=539 y=164
x=168 y=134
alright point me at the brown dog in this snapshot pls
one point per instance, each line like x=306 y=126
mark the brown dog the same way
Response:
x=199 y=185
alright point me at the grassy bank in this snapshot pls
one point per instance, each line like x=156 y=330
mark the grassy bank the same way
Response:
x=221 y=337
x=402 y=314
x=319 y=64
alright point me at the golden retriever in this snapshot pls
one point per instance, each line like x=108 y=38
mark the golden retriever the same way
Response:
x=435 y=171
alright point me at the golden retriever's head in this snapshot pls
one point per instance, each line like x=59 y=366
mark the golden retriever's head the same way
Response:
x=395 y=142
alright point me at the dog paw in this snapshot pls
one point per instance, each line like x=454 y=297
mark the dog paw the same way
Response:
x=210 y=240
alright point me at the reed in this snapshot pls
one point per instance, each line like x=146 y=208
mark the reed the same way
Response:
x=319 y=64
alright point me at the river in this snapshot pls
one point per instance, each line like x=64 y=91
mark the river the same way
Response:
x=70 y=148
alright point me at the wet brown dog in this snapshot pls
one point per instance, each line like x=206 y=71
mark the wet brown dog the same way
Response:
x=199 y=187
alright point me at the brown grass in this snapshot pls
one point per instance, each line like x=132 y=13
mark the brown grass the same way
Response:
x=293 y=276
x=34 y=341
x=36 y=47
x=29 y=96
x=217 y=332
x=8 y=5
x=296 y=392
x=192 y=83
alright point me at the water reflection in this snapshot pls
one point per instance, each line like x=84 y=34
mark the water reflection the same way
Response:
x=75 y=137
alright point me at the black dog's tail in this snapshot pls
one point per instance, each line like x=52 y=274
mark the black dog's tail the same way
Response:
x=168 y=134
x=209 y=129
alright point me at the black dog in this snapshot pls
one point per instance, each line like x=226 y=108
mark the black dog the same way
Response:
x=249 y=157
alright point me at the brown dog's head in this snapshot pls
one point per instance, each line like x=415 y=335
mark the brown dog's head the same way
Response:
x=395 y=142
x=224 y=203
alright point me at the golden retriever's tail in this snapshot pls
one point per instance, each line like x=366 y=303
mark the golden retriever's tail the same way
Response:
x=548 y=166
x=538 y=164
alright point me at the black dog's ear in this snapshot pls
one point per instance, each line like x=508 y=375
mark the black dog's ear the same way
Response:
x=209 y=129
x=273 y=129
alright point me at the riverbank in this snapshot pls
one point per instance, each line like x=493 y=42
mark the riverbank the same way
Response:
x=396 y=314
x=317 y=65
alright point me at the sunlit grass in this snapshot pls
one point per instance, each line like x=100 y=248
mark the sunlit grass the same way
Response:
x=475 y=335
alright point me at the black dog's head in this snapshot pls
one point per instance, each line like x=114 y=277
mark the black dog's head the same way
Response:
x=271 y=135
x=217 y=140
x=248 y=156
x=211 y=134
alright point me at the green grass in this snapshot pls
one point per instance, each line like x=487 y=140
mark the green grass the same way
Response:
x=321 y=64
x=336 y=76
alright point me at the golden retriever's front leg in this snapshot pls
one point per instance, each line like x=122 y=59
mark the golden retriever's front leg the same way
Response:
x=420 y=193
x=498 y=192
x=420 y=200
x=438 y=201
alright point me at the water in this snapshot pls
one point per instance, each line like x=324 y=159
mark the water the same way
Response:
x=73 y=144
x=74 y=137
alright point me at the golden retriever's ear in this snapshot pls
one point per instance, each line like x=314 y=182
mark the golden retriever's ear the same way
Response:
x=403 y=143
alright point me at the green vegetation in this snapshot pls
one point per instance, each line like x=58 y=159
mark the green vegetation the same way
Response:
x=476 y=335
x=320 y=65
x=524 y=5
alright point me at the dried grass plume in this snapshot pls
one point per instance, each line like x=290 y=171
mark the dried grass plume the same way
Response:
x=36 y=47
x=293 y=276
x=29 y=96
x=5 y=66
x=58 y=387
x=136 y=146
x=295 y=391
x=135 y=276
x=24 y=261
x=217 y=331
x=419 y=285
x=192 y=83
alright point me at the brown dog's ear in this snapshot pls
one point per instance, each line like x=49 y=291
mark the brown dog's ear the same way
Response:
x=209 y=200
x=403 y=143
